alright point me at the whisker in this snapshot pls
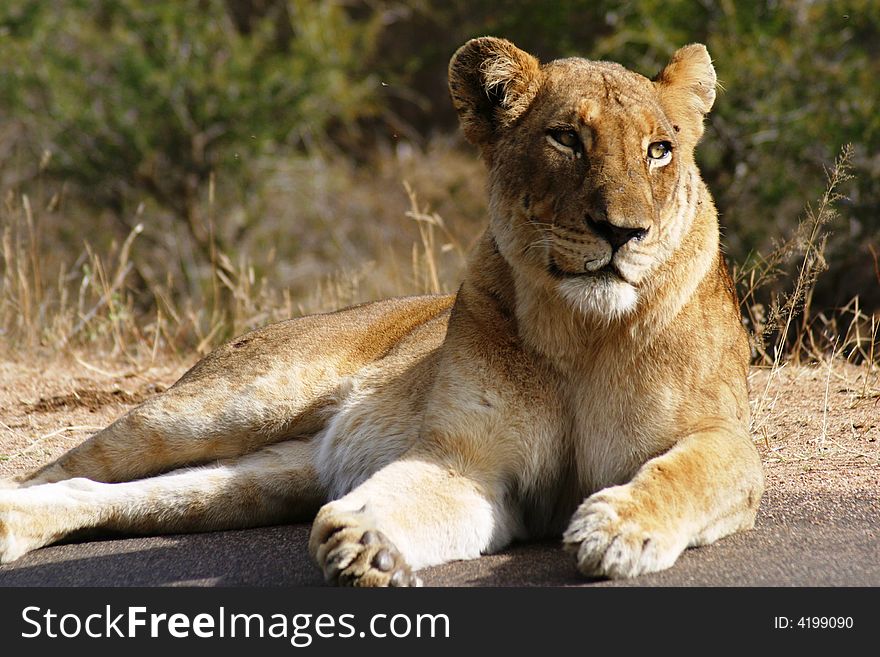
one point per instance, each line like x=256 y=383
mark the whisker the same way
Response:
x=540 y=242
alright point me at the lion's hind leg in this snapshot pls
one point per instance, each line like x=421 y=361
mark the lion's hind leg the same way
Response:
x=279 y=382
x=273 y=485
x=205 y=417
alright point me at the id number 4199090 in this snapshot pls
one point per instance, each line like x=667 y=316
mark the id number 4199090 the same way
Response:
x=813 y=623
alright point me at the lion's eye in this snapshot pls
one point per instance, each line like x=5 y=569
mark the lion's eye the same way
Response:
x=660 y=150
x=567 y=138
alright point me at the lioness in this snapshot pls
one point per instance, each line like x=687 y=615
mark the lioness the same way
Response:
x=588 y=379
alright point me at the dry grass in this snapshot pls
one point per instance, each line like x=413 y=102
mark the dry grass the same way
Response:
x=777 y=288
x=130 y=298
x=790 y=332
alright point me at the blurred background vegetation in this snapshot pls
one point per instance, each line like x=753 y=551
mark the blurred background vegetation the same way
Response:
x=176 y=171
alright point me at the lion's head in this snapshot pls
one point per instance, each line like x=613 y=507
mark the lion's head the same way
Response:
x=592 y=178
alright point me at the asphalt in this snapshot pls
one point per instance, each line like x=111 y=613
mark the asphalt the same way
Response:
x=799 y=540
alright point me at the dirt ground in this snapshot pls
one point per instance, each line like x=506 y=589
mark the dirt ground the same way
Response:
x=817 y=428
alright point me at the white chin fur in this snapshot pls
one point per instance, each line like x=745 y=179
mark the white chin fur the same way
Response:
x=599 y=297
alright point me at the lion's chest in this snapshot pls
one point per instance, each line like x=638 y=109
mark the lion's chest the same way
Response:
x=607 y=428
x=617 y=420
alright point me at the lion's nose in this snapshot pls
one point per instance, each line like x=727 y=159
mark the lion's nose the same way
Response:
x=616 y=236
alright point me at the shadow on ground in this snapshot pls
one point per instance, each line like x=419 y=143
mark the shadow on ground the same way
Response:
x=797 y=542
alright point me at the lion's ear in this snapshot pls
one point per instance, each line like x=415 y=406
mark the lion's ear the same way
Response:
x=491 y=82
x=687 y=87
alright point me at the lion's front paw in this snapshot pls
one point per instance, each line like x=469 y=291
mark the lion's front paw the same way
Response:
x=351 y=552
x=611 y=536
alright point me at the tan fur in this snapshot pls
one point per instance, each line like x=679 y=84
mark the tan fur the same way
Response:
x=579 y=384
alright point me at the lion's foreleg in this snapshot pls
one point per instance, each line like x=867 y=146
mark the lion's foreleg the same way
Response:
x=275 y=484
x=410 y=514
x=707 y=486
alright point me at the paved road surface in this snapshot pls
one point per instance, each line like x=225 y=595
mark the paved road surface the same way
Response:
x=803 y=540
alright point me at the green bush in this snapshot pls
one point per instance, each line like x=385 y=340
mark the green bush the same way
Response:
x=151 y=100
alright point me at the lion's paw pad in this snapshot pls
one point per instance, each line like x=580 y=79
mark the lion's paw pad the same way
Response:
x=353 y=555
